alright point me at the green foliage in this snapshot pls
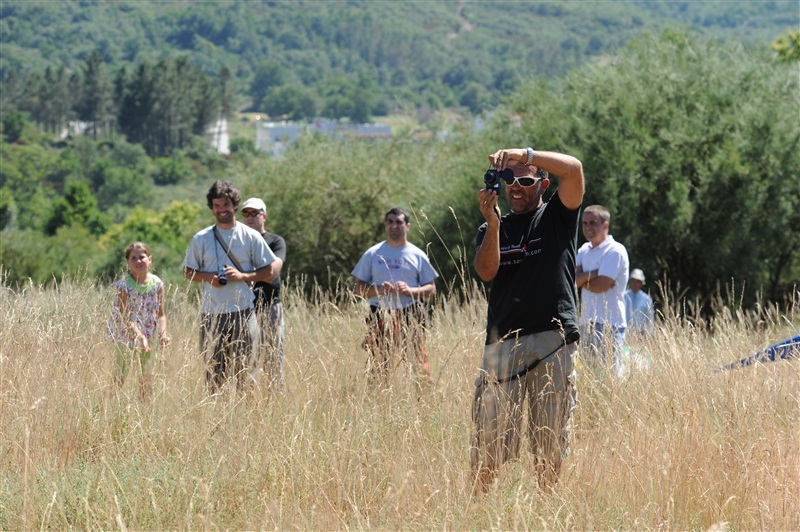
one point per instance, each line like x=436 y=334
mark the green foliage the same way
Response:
x=289 y=101
x=166 y=105
x=399 y=47
x=77 y=207
x=93 y=103
x=788 y=47
x=243 y=146
x=26 y=254
x=268 y=75
x=693 y=147
x=13 y=125
x=124 y=187
x=6 y=207
x=173 y=170
x=322 y=241
x=167 y=233
x=24 y=172
x=119 y=174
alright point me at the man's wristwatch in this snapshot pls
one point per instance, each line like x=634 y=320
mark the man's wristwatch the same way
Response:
x=530 y=156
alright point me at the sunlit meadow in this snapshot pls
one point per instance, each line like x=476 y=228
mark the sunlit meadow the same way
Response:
x=672 y=445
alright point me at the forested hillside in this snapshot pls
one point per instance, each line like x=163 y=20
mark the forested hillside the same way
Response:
x=357 y=59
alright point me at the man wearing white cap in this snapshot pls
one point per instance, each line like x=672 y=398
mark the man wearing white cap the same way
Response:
x=638 y=305
x=269 y=308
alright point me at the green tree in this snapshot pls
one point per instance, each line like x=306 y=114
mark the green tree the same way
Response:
x=173 y=169
x=694 y=147
x=13 y=125
x=227 y=94
x=788 y=47
x=138 y=106
x=474 y=97
x=120 y=91
x=268 y=75
x=291 y=101
x=24 y=171
x=94 y=101
x=54 y=100
x=347 y=99
x=168 y=234
x=27 y=255
x=12 y=91
x=165 y=106
x=77 y=207
x=243 y=145
x=6 y=208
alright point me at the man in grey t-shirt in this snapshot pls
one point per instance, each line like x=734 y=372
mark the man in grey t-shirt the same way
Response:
x=396 y=276
x=227 y=257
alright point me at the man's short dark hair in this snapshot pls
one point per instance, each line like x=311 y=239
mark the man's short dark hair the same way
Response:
x=600 y=211
x=223 y=189
x=397 y=211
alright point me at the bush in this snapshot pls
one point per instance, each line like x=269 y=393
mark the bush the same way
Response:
x=14 y=123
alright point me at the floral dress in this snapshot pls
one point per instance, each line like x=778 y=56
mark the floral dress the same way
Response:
x=143 y=304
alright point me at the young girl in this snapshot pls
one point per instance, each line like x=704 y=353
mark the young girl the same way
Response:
x=137 y=317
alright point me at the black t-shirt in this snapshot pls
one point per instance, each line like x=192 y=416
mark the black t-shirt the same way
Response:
x=534 y=289
x=266 y=293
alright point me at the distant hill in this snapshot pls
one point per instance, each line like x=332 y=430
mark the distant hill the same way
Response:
x=306 y=58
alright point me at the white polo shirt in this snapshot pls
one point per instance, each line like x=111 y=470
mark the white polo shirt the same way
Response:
x=610 y=259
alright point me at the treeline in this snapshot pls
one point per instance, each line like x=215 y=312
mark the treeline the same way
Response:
x=693 y=145
x=161 y=106
x=356 y=59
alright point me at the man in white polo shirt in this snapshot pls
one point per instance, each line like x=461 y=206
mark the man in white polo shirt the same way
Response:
x=602 y=275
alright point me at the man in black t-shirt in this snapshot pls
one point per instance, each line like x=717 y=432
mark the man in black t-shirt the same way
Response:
x=531 y=330
x=269 y=308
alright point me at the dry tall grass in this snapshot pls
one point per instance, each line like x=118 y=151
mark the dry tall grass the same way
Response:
x=674 y=446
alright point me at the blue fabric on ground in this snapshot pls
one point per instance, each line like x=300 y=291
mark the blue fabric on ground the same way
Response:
x=789 y=348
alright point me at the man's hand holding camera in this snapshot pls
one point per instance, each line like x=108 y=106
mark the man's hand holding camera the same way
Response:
x=487 y=202
x=226 y=274
x=502 y=159
x=232 y=274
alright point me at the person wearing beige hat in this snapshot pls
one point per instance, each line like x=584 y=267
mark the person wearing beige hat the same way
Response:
x=638 y=305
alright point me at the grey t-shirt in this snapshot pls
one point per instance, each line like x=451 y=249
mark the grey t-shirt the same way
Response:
x=205 y=254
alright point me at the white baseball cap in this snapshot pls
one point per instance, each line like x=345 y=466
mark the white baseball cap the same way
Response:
x=637 y=274
x=254 y=203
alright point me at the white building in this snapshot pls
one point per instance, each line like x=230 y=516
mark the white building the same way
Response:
x=274 y=137
x=220 y=138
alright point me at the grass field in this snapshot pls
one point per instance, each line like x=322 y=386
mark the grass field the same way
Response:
x=670 y=446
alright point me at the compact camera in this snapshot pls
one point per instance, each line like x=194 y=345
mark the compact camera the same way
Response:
x=493 y=177
x=223 y=279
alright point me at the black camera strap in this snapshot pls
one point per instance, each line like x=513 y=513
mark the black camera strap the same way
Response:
x=570 y=338
x=227 y=250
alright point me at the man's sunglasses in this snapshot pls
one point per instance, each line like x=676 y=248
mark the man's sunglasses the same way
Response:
x=523 y=181
x=250 y=214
